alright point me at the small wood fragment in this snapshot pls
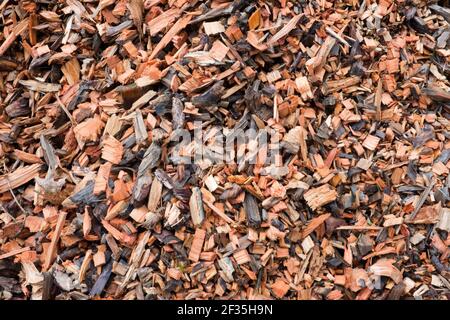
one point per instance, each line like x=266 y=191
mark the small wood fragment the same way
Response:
x=320 y=196
x=197 y=245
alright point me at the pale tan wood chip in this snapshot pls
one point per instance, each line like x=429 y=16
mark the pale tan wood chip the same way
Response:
x=19 y=177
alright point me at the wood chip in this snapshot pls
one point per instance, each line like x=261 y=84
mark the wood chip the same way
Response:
x=320 y=196
x=197 y=245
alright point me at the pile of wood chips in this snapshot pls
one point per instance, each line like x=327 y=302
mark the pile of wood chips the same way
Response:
x=93 y=207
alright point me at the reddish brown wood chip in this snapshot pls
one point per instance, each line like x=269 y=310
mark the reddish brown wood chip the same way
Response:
x=197 y=245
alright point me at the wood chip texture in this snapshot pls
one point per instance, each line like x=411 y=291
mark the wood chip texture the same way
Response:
x=224 y=150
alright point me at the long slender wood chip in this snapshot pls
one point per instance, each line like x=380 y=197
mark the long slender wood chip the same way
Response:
x=55 y=238
x=288 y=27
x=314 y=224
x=177 y=27
x=19 y=177
x=18 y=29
x=40 y=86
